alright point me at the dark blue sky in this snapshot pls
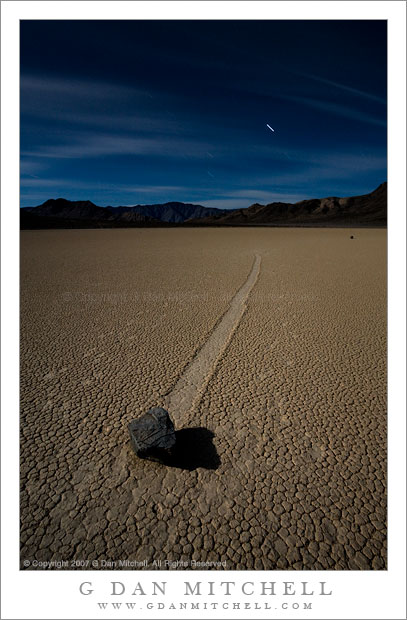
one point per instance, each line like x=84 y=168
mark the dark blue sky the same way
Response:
x=138 y=112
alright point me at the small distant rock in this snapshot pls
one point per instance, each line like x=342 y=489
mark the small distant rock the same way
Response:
x=153 y=435
x=352 y=237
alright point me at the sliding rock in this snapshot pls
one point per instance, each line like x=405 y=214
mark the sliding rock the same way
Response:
x=153 y=435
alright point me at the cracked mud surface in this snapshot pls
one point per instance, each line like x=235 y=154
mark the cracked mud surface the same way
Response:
x=284 y=461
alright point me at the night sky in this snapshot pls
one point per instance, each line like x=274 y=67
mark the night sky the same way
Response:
x=141 y=112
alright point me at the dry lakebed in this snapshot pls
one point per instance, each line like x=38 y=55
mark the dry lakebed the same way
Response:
x=268 y=348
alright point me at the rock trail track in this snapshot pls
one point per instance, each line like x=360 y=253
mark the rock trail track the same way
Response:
x=284 y=430
x=191 y=385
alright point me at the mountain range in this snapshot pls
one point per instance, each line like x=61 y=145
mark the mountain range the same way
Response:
x=62 y=213
x=366 y=210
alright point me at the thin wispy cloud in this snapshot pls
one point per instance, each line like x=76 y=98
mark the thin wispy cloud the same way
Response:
x=31 y=167
x=338 y=158
x=336 y=109
x=137 y=122
x=90 y=146
x=75 y=88
x=344 y=87
x=75 y=184
x=307 y=175
x=254 y=194
x=40 y=182
x=31 y=188
x=96 y=104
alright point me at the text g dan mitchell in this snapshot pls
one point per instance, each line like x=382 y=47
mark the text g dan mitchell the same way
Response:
x=211 y=588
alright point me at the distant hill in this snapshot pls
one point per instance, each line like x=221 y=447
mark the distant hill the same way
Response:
x=62 y=213
x=173 y=212
x=367 y=210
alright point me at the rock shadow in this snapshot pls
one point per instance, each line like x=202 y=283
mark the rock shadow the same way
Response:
x=193 y=448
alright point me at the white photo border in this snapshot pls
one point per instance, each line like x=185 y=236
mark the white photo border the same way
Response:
x=55 y=594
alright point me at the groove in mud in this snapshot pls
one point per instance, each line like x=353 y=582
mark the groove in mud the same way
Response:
x=190 y=386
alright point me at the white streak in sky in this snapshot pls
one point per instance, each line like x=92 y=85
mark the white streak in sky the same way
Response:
x=349 y=89
x=270 y=127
